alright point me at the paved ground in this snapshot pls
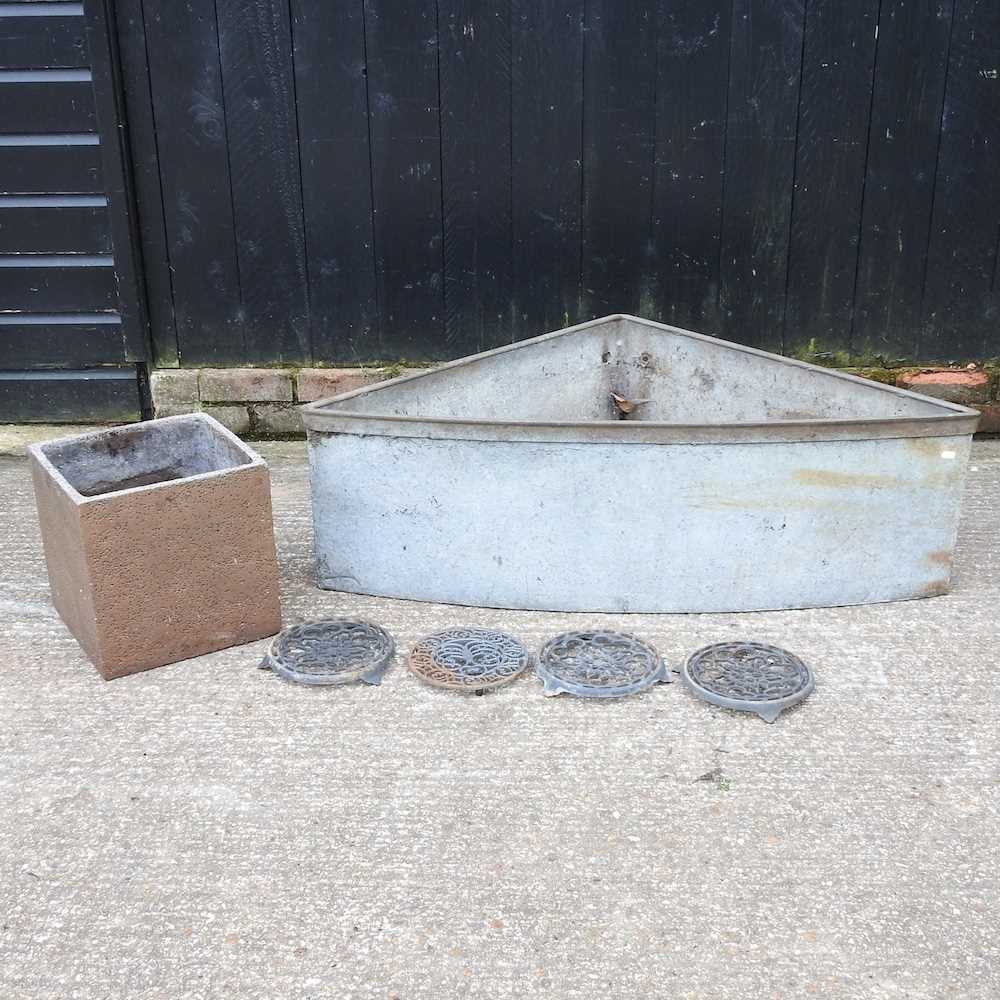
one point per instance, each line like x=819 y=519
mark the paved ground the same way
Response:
x=205 y=830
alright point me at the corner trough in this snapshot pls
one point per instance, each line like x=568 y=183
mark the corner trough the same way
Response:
x=626 y=466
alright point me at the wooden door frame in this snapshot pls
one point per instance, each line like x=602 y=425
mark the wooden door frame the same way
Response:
x=109 y=97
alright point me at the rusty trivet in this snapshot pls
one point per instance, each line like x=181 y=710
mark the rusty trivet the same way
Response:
x=599 y=664
x=333 y=651
x=468 y=659
x=748 y=677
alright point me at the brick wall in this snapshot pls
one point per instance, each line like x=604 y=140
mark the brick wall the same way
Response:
x=262 y=402
x=255 y=402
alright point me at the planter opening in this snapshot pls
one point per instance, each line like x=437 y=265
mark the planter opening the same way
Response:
x=143 y=454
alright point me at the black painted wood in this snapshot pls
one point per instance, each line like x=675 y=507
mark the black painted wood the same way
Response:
x=50 y=169
x=261 y=131
x=962 y=294
x=765 y=65
x=70 y=396
x=911 y=60
x=546 y=163
x=619 y=87
x=402 y=45
x=69 y=292
x=834 y=103
x=57 y=289
x=182 y=49
x=109 y=101
x=385 y=181
x=66 y=106
x=692 y=62
x=329 y=56
x=145 y=172
x=32 y=42
x=45 y=343
x=475 y=40
x=50 y=229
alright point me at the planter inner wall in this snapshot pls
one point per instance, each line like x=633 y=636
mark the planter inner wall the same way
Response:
x=143 y=454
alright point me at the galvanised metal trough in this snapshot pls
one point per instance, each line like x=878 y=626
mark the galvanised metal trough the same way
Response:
x=623 y=465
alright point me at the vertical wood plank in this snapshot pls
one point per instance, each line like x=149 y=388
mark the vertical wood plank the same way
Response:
x=962 y=297
x=104 y=65
x=186 y=85
x=152 y=231
x=402 y=43
x=765 y=66
x=475 y=173
x=256 y=51
x=330 y=87
x=546 y=162
x=910 y=64
x=691 y=96
x=619 y=87
x=834 y=106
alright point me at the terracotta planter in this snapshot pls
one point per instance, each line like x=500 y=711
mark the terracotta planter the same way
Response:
x=158 y=540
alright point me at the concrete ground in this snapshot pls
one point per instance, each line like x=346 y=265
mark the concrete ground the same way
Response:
x=206 y=830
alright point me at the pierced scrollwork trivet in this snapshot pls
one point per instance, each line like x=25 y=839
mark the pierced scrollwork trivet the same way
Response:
x=599 y=664
x=332 y=651
x=468 y=659
x=748 y=677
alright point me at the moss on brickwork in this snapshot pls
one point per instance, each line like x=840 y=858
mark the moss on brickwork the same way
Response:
x=887 y=376
x=817 y=353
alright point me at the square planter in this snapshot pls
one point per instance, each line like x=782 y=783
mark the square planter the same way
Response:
x=158 y=540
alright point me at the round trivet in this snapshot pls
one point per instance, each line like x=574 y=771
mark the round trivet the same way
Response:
x=599 y=664
x=748 y=677
x=333 y=651
x=468 y=659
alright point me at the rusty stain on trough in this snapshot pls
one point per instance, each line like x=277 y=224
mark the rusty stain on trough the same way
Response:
x=827 y=477
x=940 y=557
x=935 y=588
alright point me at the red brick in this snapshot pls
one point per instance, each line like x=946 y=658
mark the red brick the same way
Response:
x=989 y=423
x=277 y=419
x=966 y=387
x=318 y=383
x=245 y=385
x=174 y=390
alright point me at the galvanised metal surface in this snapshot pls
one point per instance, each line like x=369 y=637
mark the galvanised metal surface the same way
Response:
x=331 y=651
x=748 y=677
x=469 y=659
x=599 y=664
x=736 y=480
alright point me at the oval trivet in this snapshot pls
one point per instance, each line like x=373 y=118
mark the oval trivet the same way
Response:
x=599 y=664
x=748 y=677
x=332 y=651
x=468 y=659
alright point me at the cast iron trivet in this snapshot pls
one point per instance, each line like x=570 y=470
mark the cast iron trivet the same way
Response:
x=749 y=677
x=333 y=651
x=468 y=659
x=599 y=664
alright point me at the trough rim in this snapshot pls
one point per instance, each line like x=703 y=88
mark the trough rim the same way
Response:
x=322 y=417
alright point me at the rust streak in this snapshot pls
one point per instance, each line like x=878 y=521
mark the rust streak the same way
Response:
x=824 y=477
x=942 y=557
x=782 y=505
x=928 y=447
x=933 y=589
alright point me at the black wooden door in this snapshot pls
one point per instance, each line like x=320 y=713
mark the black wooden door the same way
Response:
x=72 y=331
